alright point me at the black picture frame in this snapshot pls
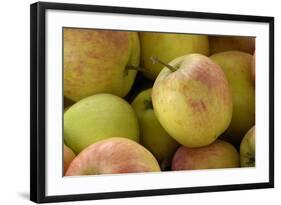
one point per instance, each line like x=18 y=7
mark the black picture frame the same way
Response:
x=38 y=97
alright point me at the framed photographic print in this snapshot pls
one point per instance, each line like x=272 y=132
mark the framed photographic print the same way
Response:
x=129 y=102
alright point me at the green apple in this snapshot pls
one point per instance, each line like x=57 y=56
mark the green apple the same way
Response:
x=68 y=156
x=227 y=43
x=219 y=154
x=98 y=61
x=113 y=156
x=167 y=46
x=152 y=134
x=247 y=149
x=237 y=68
x=192 y=103
x=99 y=117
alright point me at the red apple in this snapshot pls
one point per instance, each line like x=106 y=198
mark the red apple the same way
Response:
x=219 y=154
x=111 y=156
x=68 y=156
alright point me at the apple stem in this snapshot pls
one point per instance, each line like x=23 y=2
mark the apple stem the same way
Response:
x=156 y=60
x=131 y=67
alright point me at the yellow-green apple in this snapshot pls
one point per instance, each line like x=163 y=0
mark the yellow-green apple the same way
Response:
x=152 y=134
x=98 y=61
x=98 y=117
x=192 y=103
x=68 y=156
x=227 y=43
x=247 y=149
x=112 y=156
x=237 y=68
x=167 y=46
x=219 y=154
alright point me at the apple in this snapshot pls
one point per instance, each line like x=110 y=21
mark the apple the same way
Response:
x=98 y=61
x=68 y=156
x=193 y=102
x=167 y=46
x=237 y=68
x=247 y=149
x=219 y=154
x=99 y=117
x=227 y=43
x=113 y=156
x=152 y=134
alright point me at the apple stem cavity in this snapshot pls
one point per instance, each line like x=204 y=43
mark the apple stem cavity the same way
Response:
x=154 y=60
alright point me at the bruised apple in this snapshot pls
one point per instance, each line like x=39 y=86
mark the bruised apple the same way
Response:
x=112 y=156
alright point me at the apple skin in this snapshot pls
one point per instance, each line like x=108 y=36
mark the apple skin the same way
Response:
x=219 y=154
x=237 y=68
x=68 y=156
x=226 y=43
x=98 y=117
x=112 y=156
x=247 y=149
x=152 y=134
x=193 y=104
x=168 y=47
x=95 y=62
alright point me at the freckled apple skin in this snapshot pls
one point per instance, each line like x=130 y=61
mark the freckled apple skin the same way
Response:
x=193 y=104
x=247 y=149
x=68 y=156
x=113 y=156
x=168 y=47
x=152 y=134
x=237 y=68
x=99 y=117
x=95 y=62
x=219 y=154
x=226 y=43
